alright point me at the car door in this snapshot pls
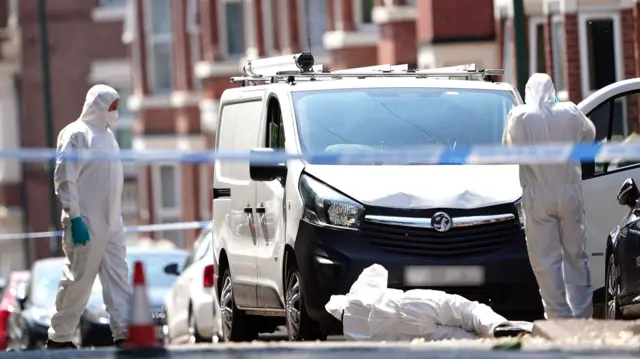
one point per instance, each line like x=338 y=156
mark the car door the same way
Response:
x=269 y=215
x=613 y=110
x=235 y=194
x=179 y=311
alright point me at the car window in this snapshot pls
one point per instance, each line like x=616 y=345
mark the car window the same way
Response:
x=154 y=264
x=44 y=282
x=616 y=121
x=388 y=118
x=199 y=247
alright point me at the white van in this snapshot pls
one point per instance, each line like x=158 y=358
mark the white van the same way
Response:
x=289 y=236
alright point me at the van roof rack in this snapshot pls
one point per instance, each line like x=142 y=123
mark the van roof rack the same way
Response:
x=292 y=68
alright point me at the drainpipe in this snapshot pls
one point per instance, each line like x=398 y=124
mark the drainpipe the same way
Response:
x=48 y=115
x=522 y=59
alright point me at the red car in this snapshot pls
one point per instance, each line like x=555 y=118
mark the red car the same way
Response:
x=8 y=302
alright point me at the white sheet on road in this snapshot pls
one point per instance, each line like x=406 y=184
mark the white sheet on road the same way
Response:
x=371 y=311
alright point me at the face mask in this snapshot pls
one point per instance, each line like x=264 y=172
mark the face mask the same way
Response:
x=112 y=118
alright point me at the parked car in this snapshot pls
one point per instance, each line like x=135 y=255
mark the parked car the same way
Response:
x=94 y=322
x=36 y=303
x=192 y=308
x=309 y=229
x=622 y=281
x=9 y=302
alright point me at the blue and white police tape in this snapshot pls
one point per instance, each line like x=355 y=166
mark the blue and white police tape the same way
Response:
x=480 y=154
x=131 y=229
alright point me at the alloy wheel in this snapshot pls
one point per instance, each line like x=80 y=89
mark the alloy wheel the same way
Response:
x=226 y=307
x=613 y=289
x=292 y=306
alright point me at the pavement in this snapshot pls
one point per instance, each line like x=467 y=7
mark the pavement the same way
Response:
x=550 y=340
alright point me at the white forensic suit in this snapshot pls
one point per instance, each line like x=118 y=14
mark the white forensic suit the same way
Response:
x=373 y=312
x=93 y=191
x=552 y=200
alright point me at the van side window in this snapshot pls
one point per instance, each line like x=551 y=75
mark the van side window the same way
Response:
x=275 y=126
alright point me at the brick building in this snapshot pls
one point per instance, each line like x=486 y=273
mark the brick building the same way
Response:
x=85 y=48
x=584 y=45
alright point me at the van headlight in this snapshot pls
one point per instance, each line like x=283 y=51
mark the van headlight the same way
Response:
x=518 y=205
x=325 y=207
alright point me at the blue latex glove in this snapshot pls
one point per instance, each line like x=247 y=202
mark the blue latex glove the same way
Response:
x=79 y=232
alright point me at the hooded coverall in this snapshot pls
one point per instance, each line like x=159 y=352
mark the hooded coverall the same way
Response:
x=93 y=191
x=552 y=201
x=371 y=311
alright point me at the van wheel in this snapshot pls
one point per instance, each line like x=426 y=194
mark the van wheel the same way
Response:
x=236 y=325
x=299 y=325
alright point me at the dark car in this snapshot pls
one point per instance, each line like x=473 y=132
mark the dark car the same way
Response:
x=29 y=322
x=94 y=322
x=622 y=281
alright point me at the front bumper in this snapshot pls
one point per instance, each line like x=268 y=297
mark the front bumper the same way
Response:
x=331 y=260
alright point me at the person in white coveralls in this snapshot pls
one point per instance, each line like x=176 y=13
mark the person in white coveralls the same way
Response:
x=93 y=239
x=555 y=224
x=373 y=312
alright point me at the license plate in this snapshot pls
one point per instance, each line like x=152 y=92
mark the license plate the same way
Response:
x=427 y=276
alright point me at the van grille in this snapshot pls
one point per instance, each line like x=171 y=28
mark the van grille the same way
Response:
x=427 y=242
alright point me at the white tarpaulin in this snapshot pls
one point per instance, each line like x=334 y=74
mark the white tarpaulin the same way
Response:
x=371 y=311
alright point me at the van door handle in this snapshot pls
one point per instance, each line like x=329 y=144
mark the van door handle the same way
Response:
x=261 y=210
x=248 y=210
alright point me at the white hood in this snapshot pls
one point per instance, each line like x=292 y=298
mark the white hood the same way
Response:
x=430 y=186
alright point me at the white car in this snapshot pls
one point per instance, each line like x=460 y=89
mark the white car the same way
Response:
x=192 y=309
x=290 y=235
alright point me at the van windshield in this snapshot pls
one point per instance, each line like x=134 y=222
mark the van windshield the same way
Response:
x=393 y=118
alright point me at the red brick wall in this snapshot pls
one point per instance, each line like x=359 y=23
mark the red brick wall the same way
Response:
x=572 y=57
x=629 y=65
x=74 y=43
x=453 y=19
x=398 y=43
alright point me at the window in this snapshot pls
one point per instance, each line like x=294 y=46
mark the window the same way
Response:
x=159 y=40
x=112 y=3
x=380 y=118
x=234 y=18
x=600 y=57
x=200 y=248
x=366 y=11
x=275 y=134
x=168 y=186
x=508 y=53
x=154 y=264
x=166 y=199
x=559 y=49
x=537 y=41
x=315 y=22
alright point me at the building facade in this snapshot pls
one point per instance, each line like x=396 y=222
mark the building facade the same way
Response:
x=584 y=45
x=85 y=48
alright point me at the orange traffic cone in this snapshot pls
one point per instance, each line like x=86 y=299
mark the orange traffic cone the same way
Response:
x=142 y=335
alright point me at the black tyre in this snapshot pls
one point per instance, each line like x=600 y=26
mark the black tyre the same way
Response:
x=612 y=289
x=194 y=336
x=236 y=325
x=299 y=325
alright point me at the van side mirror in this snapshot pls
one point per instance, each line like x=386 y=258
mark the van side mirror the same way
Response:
x=260 y=168
x=628 y=194
x=172 y=269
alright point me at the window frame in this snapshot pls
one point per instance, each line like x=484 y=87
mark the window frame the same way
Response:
x=508 y=53
x=563 y=94
x=357 y=18
x=534 y=22
x=318 y=49
x=222 y=29
x=152 y=40
x=194 y=32
x=583 y=18
x=161 y=211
